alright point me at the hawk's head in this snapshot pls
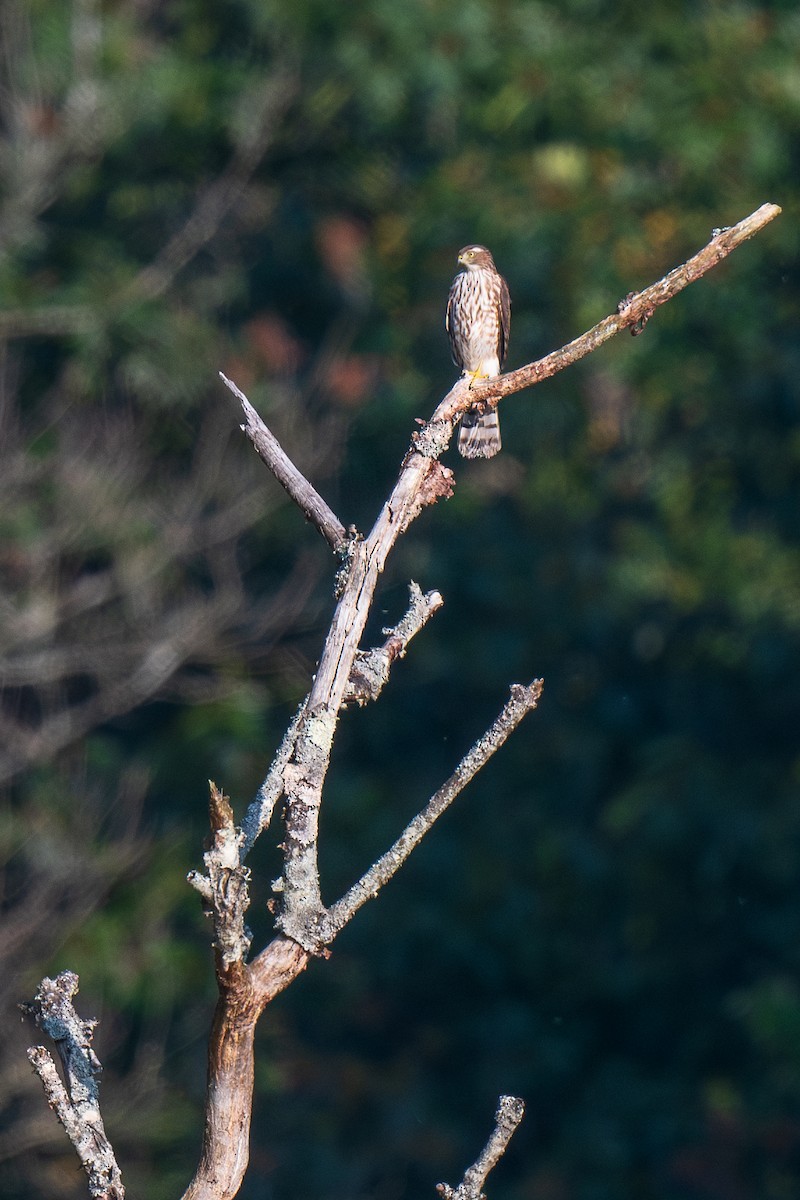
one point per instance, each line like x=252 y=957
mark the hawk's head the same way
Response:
x=476 y=257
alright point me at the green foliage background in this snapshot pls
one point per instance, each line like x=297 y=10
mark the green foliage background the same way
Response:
x=609 y=924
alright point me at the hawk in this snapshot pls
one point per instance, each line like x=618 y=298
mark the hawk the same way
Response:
x=478 y=324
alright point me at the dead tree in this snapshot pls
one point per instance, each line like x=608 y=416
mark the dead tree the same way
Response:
x=347 y=674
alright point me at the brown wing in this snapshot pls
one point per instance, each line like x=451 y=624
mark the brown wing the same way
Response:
x=451 y=324
x=505 y=321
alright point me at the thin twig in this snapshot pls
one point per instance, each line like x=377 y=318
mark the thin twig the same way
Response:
x=371 y=668
x=510 y=1112
x=523 y=700
x=272 y=453
x=77 y=1105
x=259 y=812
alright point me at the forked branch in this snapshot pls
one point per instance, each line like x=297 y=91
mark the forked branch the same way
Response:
x=523 y=700
x=305 y=753
x=77 y=1105
x=297 y=776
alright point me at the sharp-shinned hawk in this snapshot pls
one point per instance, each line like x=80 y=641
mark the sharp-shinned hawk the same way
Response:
x=478 y=323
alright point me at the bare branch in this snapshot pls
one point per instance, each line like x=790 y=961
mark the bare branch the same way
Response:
x=510 y=1112
x=224 y=889
x=632 y=313
x=370 y=672
x=523 y=700
x=259 y=812
x=302 y=909
x=272 y=453
x=300 y=768
x=77 y=1105
x=243 y=993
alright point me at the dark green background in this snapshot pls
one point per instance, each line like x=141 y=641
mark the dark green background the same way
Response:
x=608 y=923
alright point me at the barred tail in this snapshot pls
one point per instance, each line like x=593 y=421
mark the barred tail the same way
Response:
x=479 y=436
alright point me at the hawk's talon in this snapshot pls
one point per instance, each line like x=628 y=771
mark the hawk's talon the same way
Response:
x=475 y=377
